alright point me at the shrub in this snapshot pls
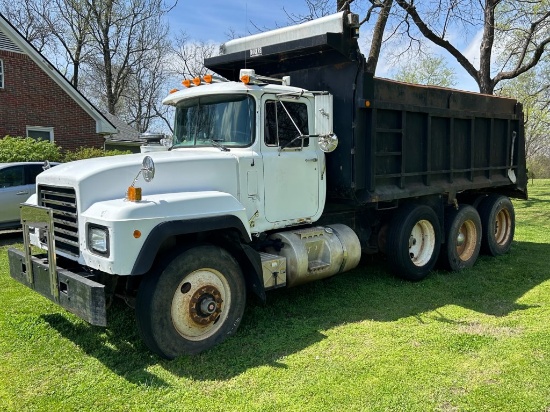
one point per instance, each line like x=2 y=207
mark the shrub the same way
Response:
x=89 y=152
x=27 y=149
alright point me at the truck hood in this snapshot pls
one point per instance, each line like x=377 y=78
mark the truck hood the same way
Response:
x=105 y=178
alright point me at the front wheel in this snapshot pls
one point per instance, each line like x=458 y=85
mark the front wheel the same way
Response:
x=191 y=303
x=413 y=241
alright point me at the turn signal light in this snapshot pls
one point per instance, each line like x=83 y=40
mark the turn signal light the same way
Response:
x=134 y=194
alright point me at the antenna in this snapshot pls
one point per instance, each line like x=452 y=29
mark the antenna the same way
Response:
x=245 y=29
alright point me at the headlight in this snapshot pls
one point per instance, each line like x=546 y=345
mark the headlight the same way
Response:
x=98 y=239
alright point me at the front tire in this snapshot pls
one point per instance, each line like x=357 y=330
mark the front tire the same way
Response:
x=498 y=221
x=413 y=242
x=191 y=303
x=462 y=238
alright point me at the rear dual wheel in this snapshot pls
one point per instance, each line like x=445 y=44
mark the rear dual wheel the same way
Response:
x=498 y=220
x=462 y=238
x=413 y=241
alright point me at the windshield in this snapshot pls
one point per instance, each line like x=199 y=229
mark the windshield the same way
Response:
x=226 y=120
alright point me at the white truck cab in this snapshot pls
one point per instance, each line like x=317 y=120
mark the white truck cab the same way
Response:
x=272 y=132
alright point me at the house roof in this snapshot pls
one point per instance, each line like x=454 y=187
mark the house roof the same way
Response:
x=12 y=40
x=126 y=133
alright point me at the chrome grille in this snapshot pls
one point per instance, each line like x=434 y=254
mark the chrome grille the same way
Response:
x=62 y=200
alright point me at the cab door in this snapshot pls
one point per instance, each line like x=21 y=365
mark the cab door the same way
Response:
x=291 y=164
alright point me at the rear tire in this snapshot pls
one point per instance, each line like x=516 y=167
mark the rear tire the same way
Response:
x=191 y=303
x=462 y=238
x=498 y=222
x=413 y=242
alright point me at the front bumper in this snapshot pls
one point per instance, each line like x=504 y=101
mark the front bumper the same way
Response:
x=74 y=292
x=78 y=294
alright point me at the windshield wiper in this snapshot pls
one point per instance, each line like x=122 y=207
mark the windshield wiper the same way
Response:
x=216 y=143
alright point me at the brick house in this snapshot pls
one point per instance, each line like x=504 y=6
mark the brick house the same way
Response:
x=37 y=101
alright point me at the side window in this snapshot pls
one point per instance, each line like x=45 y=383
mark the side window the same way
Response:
x=40 y=133
x=12 y=176
x=31 y=172
x=1 y=74
x=280 y=129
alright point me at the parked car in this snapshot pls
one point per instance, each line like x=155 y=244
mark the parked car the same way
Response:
x=17 y=183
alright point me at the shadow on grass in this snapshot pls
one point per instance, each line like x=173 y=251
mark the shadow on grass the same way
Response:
x=294 y=319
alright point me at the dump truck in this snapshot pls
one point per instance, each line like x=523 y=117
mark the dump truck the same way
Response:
x=289 y=162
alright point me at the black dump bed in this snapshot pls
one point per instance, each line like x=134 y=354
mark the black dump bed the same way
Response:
x=396 y=140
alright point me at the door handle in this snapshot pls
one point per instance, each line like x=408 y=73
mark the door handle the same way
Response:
x=312 y=160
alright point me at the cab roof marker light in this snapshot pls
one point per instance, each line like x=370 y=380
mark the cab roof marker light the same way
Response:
x=174 y=91
x=197 y=81
x=186 y=83
x=207 y=78
x=249 y=76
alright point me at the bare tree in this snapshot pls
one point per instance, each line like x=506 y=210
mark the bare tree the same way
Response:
x=141 y=101
x=189 y=56
x=123 y=31
x=69 y=23
x=25 y=15
x=522 y=29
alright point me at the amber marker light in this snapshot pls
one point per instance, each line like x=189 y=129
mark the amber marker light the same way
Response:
x=245 y=79
x=186 y=83
x=207 y=78
x=134 y=194
x=197 y=81
x=174 y=91
x=137 y=234
x=367 y=103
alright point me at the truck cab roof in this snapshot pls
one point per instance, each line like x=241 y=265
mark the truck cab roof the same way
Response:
x=228 y=87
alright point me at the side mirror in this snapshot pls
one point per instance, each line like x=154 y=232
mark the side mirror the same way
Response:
x=323 y=122
x=328 y=143
x=148 y=168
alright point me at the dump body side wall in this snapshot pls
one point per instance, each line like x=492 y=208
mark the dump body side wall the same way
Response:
x=425 y=140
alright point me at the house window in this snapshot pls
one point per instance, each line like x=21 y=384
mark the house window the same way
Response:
x=1 y=74
x=40 y=133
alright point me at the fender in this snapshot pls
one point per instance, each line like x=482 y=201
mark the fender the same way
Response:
x=247 y=256
x=167 y=229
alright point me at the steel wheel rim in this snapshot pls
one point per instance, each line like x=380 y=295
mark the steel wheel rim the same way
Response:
x=421 y=243
x=466 y=248
x=200 y=304
x=503 y=226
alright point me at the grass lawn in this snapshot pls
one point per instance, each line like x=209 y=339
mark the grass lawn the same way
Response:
x=471 y=341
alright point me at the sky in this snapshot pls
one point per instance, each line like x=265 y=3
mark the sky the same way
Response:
x=213 y=21
x=217 y=18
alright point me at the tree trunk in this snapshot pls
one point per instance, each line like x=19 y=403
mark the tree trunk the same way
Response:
x=378 y=36
x=485 y=82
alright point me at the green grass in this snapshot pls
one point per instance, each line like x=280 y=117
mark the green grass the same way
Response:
x=474 y=341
